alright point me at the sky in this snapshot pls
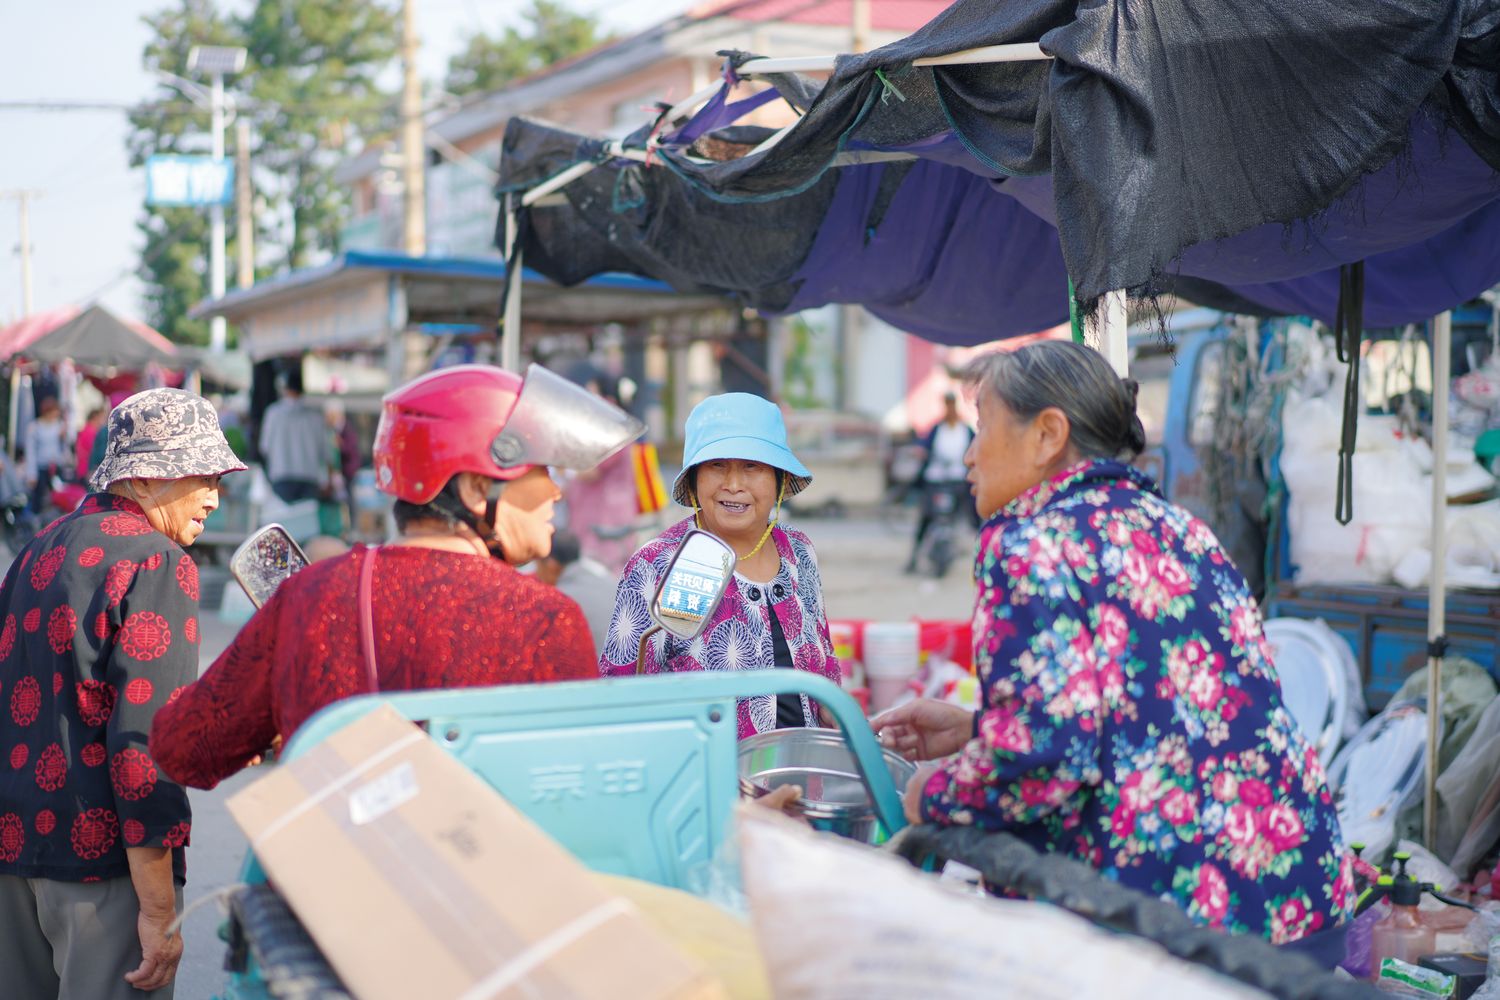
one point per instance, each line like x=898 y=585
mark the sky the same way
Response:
x=83 y=236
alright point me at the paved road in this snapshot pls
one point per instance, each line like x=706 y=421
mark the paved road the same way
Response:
x=861 y=562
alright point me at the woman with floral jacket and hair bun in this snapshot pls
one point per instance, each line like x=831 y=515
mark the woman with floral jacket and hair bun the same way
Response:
x=1131 y=714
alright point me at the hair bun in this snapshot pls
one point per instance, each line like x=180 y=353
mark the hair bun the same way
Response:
x=1135 y=431
x=1135 y=438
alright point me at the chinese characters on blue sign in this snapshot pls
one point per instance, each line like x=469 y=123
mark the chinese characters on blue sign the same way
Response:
x=189 y=180
x=689 y=594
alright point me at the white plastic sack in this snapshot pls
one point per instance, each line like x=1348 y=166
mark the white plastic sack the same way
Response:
x=1375 y=772
x=1392 y=493
x=1474 y=536
x=1462 y=785
x=1316 y=424
x=1392 y=516
x=838 y=920
x=1310 y=425
x=1473 y=550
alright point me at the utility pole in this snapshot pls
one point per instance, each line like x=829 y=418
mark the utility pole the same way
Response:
x=860 y=11
x=218 y=338
x=413 y=146
x=244 y=198
x=23 y=202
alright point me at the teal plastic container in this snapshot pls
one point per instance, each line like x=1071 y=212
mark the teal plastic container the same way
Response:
x=635 y=776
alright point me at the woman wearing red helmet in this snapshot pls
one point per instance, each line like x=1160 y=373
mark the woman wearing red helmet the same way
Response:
x=466 y=452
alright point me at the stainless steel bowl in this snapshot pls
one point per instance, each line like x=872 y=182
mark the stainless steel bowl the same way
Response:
x=834 y=796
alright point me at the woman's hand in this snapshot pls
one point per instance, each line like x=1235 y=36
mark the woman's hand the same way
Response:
x=161 y=951
x=924 y=729
x=911 y=799
x=785 y=799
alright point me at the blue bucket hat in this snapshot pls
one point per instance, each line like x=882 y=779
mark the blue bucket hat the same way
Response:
x=738 y=425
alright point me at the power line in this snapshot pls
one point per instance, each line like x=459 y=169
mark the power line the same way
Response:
x=66 y=106
x=161 y=247
x=188 y=108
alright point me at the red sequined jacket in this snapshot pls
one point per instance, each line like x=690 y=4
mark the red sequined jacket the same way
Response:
x=442 y=620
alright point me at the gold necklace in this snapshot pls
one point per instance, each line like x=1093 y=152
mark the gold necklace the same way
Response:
x=698 y=520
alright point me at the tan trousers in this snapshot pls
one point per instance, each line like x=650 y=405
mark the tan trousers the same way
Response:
x=70 y=940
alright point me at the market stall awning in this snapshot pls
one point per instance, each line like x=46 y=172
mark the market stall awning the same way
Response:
x=359 y=299
x=1236 y=155
x=93 y=338
x=33 y=328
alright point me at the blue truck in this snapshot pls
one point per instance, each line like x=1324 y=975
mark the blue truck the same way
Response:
x=1385 y=624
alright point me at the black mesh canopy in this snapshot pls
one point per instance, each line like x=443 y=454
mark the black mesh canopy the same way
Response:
x=1239 y=153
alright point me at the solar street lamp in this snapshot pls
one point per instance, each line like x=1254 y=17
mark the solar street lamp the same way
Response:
x=216 y=62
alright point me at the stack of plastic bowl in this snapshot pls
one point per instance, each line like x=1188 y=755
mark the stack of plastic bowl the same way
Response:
x=891 y=661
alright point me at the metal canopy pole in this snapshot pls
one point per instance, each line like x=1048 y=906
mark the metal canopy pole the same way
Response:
x=1016 y=52
x=1437 y=593
x=1107 y=330
x=510 y=323
x=510 y=330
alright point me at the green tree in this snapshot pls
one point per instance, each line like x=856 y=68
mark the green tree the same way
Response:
x=310 y=90
x=550 y=32
x=174 y=257
x=314 y=69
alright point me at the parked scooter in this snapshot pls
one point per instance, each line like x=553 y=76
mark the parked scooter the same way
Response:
x=940 y=543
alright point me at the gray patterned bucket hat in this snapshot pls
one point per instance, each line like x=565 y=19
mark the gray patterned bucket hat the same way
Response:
x=164 y=434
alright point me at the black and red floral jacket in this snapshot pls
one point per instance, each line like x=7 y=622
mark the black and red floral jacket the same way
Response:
x=98 y=630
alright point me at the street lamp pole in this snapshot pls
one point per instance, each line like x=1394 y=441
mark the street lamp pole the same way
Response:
x=218 y=339
x=216 y=61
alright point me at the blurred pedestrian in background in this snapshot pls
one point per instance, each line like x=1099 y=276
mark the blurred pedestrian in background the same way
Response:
x=46 y=451
x=943 y=471
x=83 y=448
x=602 y=502
x=583 y=579
x=350 y=456
x=294 y=444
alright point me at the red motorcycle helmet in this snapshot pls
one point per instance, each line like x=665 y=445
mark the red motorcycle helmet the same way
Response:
x=489 y=421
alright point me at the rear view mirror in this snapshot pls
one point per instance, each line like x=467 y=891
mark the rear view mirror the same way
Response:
x=264 y=560
x=695 y=581
x=691 y=589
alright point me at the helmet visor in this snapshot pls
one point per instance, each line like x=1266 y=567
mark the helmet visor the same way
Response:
x=560 y=424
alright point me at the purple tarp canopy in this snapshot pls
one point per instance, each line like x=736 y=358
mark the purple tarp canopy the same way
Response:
x=1236 y=157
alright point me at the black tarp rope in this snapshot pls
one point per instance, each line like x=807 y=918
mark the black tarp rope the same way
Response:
x=1348 y=324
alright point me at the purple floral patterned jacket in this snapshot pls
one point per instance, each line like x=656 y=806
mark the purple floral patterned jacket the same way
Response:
x=1132 y=717
x=738 y=637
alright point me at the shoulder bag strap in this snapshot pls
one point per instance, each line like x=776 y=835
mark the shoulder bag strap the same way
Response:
x=367 y=618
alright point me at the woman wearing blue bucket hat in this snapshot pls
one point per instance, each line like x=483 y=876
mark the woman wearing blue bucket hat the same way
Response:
x=737 y=471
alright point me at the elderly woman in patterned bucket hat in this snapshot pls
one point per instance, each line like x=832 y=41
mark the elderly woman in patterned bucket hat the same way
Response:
x=98 y=629
x=737 y=470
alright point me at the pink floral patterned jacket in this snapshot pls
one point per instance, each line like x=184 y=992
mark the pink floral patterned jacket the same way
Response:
x=1132 y=717
x=738 y=637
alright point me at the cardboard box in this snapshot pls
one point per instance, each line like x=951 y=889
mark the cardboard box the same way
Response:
x=417 y=880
